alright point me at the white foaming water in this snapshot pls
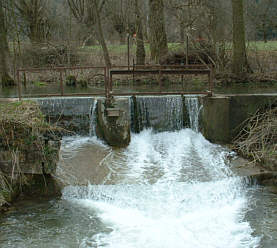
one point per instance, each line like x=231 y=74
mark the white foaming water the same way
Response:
x=194 y=109
x=92 y=117
x=171 y=189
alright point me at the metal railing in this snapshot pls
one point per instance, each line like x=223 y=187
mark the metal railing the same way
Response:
x=62 y=72
x=135 y=70
x=161 y=70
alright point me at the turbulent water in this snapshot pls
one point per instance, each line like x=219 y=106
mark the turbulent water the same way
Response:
x=167 y=189
x=170 y=189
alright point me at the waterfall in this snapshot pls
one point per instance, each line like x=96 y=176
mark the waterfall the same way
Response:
x=162 y=113
x=92 y=119
x=193 y=108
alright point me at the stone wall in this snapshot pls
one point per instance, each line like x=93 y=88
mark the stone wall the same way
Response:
x=71 y=113
x=223 y=116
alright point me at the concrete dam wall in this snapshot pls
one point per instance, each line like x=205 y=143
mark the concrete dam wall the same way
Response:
x=218 y=118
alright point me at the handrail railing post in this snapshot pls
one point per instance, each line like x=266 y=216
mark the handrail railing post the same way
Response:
x=18 y=85
x=61 y=82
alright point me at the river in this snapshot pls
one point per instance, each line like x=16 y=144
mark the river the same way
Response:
x=166 y=189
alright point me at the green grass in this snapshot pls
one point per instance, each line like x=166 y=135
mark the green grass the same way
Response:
x=123 y=48
x=262 y=46
x=259 y=45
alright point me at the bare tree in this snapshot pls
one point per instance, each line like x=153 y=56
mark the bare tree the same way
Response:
x=100 y=34
x=140 y=51
x=88 y=13
x=121 y=20
x=34 y=13
x=262 y=14
x=240 y=64
x=158 y=37
x=5 y=78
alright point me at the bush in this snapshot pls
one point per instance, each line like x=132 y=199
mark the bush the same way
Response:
x=35 y=56
x=258 y=138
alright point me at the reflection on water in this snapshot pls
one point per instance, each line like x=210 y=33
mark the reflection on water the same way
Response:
x=168 y=189
x=143 y=87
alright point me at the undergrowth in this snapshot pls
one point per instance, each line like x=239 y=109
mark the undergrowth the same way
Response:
x=258 y=139
x=22 y=129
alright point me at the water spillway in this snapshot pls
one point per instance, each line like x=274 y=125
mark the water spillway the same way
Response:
x=161 y=113
x=166 y=189
x=171 y=188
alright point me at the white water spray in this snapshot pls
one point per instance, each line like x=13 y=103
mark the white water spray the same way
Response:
x=169 y=189
x=193 y=108
x=92 y=118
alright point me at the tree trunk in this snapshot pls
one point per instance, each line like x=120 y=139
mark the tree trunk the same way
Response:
x=182 y=33
x=240 y=65
x=158 y=38
x=100 y=35
x=140 y=52
x=5 y=78
x=264 y=33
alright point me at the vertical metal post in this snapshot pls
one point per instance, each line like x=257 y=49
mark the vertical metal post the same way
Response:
x=111 y=85
x=133 y=71
x=212 y=79
x=106 y=82
x=187 y=50
x=61 y=83
x=128 y=51
x=160 y=82
x=18 y=86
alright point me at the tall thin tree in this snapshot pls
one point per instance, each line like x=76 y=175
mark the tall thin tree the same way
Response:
x=158 y=37
x=100 y=35
x=140 y=51
x=5 y=78
x=240 y=65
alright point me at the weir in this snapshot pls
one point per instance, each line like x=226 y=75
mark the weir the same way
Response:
x=169 y=187
x=217 y=118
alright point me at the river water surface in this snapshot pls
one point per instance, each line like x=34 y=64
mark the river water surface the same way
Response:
x=165 y=190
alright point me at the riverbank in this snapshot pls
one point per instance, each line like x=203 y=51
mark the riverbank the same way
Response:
x=29 y=152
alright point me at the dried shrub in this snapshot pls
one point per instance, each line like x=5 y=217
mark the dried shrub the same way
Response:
x=22 y=130
x=258 y=139
x=41 y=56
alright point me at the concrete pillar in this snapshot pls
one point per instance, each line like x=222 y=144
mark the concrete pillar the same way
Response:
x=114 y=122
x=215 y=119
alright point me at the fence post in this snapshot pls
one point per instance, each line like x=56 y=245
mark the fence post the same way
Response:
x=18 y=85
x=61 y=83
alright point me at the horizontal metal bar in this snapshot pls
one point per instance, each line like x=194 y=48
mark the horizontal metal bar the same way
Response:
x=163 y=66
x=59 y=68
x=171 y=72
x=161 y=93
x=66 y=95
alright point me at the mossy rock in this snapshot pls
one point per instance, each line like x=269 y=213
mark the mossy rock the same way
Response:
x=71 y=81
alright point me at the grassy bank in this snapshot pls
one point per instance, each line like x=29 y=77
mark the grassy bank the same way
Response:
x=24 y=147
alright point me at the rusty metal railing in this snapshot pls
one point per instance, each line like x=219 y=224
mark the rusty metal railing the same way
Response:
x=161 y=70
x=62 y=72
x=108 y=73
